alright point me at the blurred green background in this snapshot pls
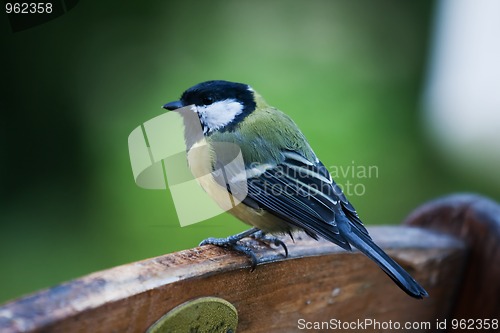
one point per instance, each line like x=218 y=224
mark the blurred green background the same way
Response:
x=350 y=73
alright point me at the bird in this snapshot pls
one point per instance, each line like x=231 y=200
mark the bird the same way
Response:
x=286 y=187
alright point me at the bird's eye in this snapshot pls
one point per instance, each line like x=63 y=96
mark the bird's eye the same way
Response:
x=207 y=100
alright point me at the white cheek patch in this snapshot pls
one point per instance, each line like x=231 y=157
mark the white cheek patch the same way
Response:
x=218 y=114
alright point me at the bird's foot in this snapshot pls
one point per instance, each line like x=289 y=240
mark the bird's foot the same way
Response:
x=231 y=242
x=266 y=239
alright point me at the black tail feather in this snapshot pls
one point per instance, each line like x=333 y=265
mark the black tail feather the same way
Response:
x=364 y=244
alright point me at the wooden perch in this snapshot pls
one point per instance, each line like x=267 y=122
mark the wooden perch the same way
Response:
x=476 y=220
x=317 y=283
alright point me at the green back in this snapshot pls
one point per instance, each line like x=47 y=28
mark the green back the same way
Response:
x=264 y=134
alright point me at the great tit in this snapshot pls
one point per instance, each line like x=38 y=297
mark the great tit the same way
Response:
x=287 y=187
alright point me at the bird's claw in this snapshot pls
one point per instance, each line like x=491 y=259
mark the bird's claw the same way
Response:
x=264 y=238
x=231 y=242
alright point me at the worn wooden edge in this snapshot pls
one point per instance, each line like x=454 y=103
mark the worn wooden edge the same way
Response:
x=112 y=288
x=476 y=220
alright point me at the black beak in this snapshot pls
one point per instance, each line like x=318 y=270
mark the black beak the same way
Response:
x=173 y=105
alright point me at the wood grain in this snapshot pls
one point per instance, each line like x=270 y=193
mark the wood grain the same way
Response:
x=317 y=282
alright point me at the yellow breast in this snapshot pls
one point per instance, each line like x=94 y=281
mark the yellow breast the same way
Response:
x=200 y=158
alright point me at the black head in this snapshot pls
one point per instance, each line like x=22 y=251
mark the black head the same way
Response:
x=220 y=105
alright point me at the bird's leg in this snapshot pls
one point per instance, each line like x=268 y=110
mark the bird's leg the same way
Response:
x=262 y=237
x=231 y=242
